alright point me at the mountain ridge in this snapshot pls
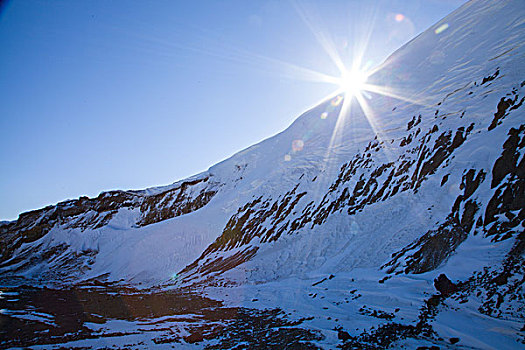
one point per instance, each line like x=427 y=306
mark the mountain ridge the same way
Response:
x=401 y=217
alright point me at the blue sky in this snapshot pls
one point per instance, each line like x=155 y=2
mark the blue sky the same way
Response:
x=100 y=95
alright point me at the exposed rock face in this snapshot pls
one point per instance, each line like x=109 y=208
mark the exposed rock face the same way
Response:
x=429 y=251
x=365 y=226
x=190 y=196
x=364 y=181
x=435 y=246
x=444 y=285
x=505 y=212
x=93 y=213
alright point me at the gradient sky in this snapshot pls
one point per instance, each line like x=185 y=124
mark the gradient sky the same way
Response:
x=100 y=95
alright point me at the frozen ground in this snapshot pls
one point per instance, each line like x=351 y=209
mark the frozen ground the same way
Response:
x=329 y=234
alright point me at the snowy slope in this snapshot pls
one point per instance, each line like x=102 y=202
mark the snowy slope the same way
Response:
x=408 y=160
x=345 y=217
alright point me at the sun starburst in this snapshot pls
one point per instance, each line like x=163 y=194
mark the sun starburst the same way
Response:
x=352 y=82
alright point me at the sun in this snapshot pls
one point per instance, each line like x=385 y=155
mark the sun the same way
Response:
x=352 y=82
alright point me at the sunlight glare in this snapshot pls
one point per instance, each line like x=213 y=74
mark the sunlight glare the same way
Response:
x=353 y=82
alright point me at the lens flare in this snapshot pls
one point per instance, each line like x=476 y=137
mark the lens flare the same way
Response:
x=297 y=145
x=441 y=28
x=336 y=101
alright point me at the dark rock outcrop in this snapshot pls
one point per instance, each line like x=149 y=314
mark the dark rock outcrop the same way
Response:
x=444 y=285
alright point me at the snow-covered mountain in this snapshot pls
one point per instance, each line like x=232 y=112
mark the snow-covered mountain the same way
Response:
x=399 y=227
